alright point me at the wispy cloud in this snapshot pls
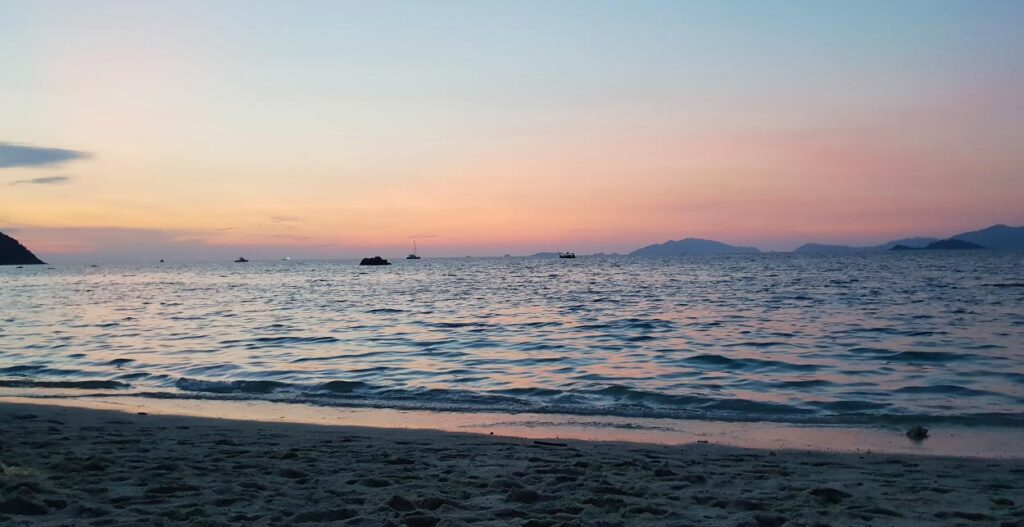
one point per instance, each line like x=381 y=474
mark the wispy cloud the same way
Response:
x=285 y=219
x=14 y=155
x=49 y=180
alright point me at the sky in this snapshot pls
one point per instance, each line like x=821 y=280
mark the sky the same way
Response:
x=205 y=129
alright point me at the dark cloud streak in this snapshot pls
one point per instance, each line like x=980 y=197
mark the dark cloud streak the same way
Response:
x=14 y=155
x=49 y=180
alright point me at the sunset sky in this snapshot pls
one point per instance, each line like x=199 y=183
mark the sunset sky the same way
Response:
x=205 y=129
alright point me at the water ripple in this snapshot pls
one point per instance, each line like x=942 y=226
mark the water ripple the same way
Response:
x=784 y=337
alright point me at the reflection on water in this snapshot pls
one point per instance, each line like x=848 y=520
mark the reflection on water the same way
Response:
x=803 y=338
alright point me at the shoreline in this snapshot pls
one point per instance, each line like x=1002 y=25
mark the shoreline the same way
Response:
x=986 y=442
x=80 y=466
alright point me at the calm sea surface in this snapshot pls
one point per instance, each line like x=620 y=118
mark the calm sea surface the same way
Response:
x=793 y=338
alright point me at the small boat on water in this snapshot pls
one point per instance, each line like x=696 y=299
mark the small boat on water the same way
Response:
x=286 y=258
x=413 y=255
x=567 y=255
x=241 y=260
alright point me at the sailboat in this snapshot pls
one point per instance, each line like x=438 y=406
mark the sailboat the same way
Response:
x=413 y=255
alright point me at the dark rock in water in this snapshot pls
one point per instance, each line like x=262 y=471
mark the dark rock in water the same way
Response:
x=14 y=253
x=399 y=503
x=291 y=473
x=323 y=516
x=422 y=521
x=56 y=503
x=432 y=503
x=959 y=245
x=21 y=506
x=829 y=495
x=375 y=483
x=524 y=496
x=917 y=433
x=376 y=260
x=768 y=520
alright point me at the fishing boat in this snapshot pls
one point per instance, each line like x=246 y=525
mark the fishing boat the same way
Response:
x=413 y=255
x=241 y=260
x=567 y=255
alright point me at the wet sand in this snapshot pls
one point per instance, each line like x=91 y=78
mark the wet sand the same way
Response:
x=70 y=466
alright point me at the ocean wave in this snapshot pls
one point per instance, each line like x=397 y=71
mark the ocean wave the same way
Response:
x=928 y=356
x=73 y=385
x=280 y=341
x=727 y=363
x=612 y=401
x=710 y=338
x=197 y=385
x=946 y=389
x=848 y=413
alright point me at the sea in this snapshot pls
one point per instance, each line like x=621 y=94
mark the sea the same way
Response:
x=845 y=339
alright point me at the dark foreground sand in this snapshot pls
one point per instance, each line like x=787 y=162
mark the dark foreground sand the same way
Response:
x=64 y=466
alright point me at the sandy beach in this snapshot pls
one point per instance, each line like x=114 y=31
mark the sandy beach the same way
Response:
x=70 y=466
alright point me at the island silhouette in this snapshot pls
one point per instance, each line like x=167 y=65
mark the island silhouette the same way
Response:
x=997 y=237
x=694 y=246
x=1000 y=237
x=13 y=252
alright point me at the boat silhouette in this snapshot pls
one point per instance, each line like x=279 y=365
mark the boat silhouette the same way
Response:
x=413 y=255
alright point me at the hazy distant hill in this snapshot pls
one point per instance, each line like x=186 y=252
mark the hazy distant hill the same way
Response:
x=693 y=246
x=910 y=243
x=995 y=237
x=954 y=244
x=825 y=248
x=918 y=242
x=14 y=253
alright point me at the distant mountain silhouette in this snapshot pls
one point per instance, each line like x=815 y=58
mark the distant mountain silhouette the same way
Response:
x=825 y=248
x=953 y=244
x=995 y=237
x=692 y=246
x=909 y=243
x=14 y=253
x=941 y=245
